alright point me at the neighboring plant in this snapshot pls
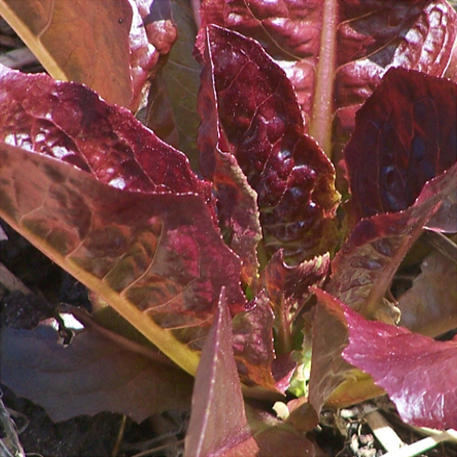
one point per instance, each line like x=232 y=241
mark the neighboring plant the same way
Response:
x=219 y=266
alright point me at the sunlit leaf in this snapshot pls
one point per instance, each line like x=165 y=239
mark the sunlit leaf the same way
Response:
x=160 y=269
x=254 y=117
x=335 y=53
x=64 y=34
x=417 y=372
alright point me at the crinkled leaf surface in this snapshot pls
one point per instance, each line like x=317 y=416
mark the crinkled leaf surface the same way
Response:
x=406 y=134
x=172 y=104
x=411 y=145
x=361 y=273
x=417 y=372
x=364 y=267
x=236 y=200
x=253 y=342
x=64 y=34
x=287 y=286
x=91 y=375
x=259 y=122
x=430 y=305
x=335 y=52
x=155 y=257
x=284 y=291
x=71 y=123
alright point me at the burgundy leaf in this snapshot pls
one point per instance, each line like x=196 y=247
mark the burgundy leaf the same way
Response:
x=155 y=257
x=361 y=273
x=254 y=349
x=236 y=200
x=406 y=134
x=417 y=372
x=336 y=52
x=218 y=420
x=286 y=292
x=258 y=121
x=364 y=267
x=91 y=375
x=430 y=305
x=71 y=123
x=253 y=342
x=218 y=424
x=287 y=286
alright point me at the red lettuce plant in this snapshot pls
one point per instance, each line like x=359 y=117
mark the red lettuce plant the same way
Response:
x=217 y=266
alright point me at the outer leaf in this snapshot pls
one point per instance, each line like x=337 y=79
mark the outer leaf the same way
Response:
x=172 y=105
x=156 y=258
x=64 y=34
x=91 y=375
x=335 y=52
x=259 y=122
x=430 y=305
x=332 y=379
x=69 y=122
x=218 y=419
x=361 y=273
x=406 y=134
x=417 y=372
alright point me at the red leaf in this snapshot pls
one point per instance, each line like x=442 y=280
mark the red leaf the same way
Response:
x=405 y=135
x=336 y=52
x=254 y=349
x=259 y=122
x=218 y=425
x=155 y=257
x=328 y=369
x=417 y=372
x=71 y=123
x=364 y=267
x=91 y=375
x=287 y=287
x=218 y=420
x=361 y=273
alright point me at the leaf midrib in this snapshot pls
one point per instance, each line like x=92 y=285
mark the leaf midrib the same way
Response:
x=322 y=108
